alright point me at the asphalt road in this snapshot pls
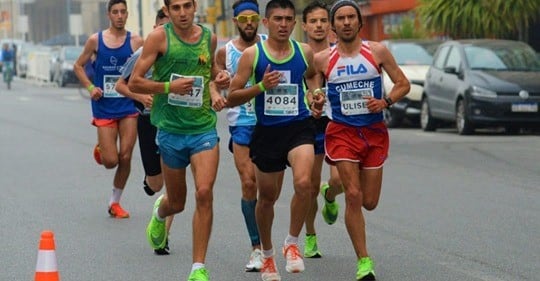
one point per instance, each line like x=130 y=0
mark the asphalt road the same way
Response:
x=452 y=207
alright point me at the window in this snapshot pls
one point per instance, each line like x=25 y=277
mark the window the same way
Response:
x=441 y=57
x=454 y=59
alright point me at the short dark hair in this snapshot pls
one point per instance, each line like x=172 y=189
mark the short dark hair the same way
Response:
x=114 y=2
x=168 y=2
x=317 y=4
x=160 y=15
x=284 y=4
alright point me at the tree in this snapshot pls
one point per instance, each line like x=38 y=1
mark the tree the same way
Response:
x=479 y=18
x=408 y=30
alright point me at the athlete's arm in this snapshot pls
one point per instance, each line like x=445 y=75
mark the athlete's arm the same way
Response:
x=218 y=101
x=223 y=77
x=238 y=94
x=155 y=44
x=401 y=87
x=78 y=67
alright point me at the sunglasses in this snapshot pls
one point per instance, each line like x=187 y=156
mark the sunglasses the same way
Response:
x=246 y=18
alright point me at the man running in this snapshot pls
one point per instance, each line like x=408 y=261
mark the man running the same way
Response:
x=114 y=115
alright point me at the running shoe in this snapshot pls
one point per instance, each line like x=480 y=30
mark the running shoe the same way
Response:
x=155 y=231
x=269 y=270
x=310 y=247
x=330 y=209
x=295 y=263
x=147 y=188
x=116 y=211
x=97 y=154
x=200 y=274
x=365 y=269
x=255 y=261
x=163 y=251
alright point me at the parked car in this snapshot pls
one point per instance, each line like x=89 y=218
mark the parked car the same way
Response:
x=482 y=83
x=414 y=56
x=64 y=73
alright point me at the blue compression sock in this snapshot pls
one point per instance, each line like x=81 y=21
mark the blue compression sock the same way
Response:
x=248 y=209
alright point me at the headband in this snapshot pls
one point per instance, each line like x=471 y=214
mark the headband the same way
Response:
x=246 y=6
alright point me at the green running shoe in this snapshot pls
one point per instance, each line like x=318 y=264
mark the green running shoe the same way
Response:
x=310 y=247
x=156 y=231
x=330 y=209
x=365 y=269
x=200 y=274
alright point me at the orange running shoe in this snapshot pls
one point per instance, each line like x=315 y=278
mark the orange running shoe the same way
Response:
x=97 y=154
x=269 y=271
x=295 y=263
x=116 y=211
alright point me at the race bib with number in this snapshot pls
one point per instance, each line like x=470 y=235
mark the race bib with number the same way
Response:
x=281 y=100
x=353 y=102
x=109 y=84
x=192 y=99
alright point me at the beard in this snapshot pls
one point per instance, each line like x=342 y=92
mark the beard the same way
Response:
x=247 y=37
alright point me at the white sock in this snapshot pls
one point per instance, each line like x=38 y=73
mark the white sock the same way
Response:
x=156 y=214
x=116 y=194
x=291 y=240
x=196 y=266
x=268 y=253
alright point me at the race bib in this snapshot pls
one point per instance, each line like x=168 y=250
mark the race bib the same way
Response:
x=109 y=84
x=281 y=100
x=353 y=102
x=192 y=99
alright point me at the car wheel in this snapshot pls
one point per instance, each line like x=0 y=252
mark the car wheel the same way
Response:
x=391 y=120
x=463 y=124
x=427 y=123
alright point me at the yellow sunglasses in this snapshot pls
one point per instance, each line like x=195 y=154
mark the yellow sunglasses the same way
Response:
x=246 y=18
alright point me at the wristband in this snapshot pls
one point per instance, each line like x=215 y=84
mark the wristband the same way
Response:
x=166 y=86
x=388 y=102
x=261 y=86
x=90 y=87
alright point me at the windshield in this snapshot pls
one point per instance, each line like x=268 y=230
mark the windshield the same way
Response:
x=413 y=53
x=515 y=57
x=72 y=53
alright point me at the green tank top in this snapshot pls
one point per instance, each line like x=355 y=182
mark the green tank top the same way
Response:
x=189 y=114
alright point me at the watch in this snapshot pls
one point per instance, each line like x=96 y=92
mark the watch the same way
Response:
x=388 y=101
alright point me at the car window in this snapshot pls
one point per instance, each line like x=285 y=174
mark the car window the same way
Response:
x=412 y=53
x=441 y=57
x=72 y=53
x=516 y=57
x=454 y=59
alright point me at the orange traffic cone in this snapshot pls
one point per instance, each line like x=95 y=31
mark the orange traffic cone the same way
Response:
x=46 y=267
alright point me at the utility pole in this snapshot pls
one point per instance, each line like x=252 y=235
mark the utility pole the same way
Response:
x=139 y=7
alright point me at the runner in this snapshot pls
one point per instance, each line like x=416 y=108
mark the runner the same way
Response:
x=114 y=115
x=284 y=134
x=356 y=139
x=242 y=119
x=184 y=111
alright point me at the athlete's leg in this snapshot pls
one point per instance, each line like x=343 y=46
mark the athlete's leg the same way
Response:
x=107 y=140
x=314 y=192
x=269 y=188
x=334 y=183
x=204 y=166
x=127 y=130
x=301 y=159
x=246 y=171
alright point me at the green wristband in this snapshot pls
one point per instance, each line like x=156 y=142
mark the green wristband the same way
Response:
x=261 y=86
x=90 y=87
x=167 y=85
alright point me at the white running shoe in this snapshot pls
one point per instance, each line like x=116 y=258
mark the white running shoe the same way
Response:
x=295 y=263
x=255 y=261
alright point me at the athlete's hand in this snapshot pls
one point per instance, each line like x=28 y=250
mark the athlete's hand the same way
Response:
x=375 y=105
x=96 y=93
x=182 y=86
x=223 y=79
x=270 y=78
x=319 y=98
x=146 y=100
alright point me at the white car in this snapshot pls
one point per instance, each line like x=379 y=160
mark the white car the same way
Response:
x=414 y=56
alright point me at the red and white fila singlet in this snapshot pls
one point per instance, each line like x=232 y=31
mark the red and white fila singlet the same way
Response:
x=348 y=80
